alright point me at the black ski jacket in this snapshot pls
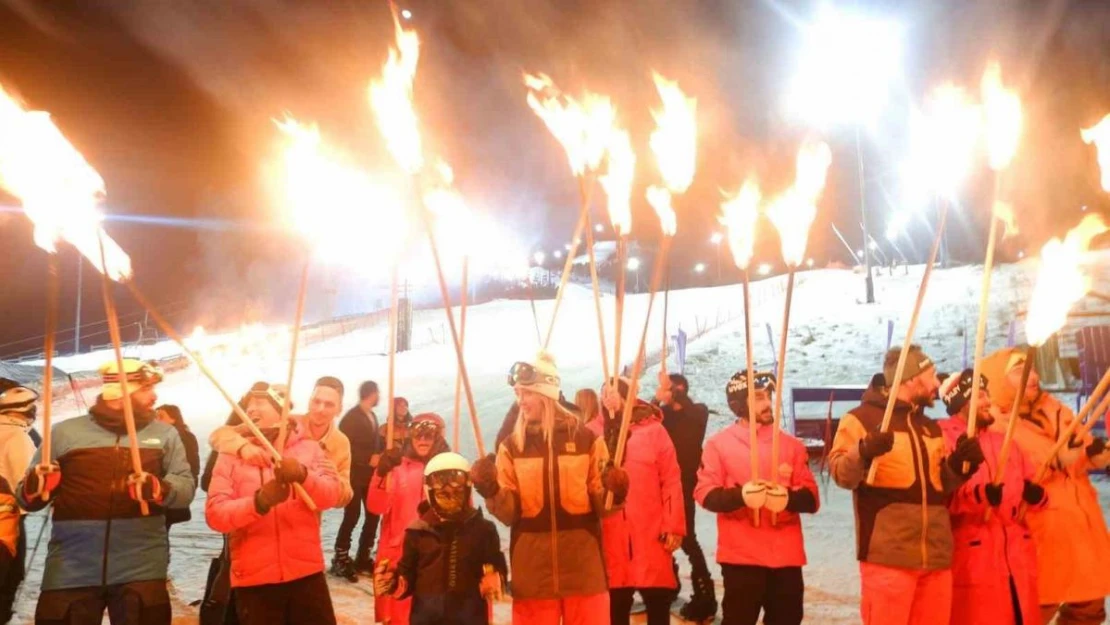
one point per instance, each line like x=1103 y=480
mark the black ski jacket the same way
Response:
x=687 y=429
x=362 y=430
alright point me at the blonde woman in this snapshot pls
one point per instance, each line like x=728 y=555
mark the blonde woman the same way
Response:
x=588 y=404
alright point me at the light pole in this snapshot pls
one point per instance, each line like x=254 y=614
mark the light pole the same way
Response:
x=716 y=241
x=869 y=280
x=634 y=267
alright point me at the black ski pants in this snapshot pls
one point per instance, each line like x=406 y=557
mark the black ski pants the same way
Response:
x=304 y=601
x=778 y=593
x=136 y=603
x=656 y=600
x=699 y=569
x=351 y=516
x=11 y=573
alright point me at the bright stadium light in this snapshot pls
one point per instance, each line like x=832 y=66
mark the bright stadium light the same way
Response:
x=538 y=257
x=633 y=264
x=699 y=268
x=557 y=254
x=407 y=14
x=716 y=238
x=599 y=228
x=809 y=263
x=846 y=66
x=764 y=269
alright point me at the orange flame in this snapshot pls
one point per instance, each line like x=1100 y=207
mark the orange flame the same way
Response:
x=1004 y=212
x=454 y=222
x=793 y=212
x=1099 y=134
x=321 y=190
x=59 y=190
x=1060 y=281
x=249 y=345
x=1002 y=118
x=391 y=99
x=674 y=140
x=617 y=182
x=582 y=127
x=739 y=214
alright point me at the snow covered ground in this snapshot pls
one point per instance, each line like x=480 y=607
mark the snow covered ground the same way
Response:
x=833 y=340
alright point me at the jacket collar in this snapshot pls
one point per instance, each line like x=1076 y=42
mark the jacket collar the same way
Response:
x=112 y=420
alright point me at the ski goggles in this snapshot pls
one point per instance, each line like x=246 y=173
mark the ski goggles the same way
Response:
x=524 y=374
x=452 y=478
x=761 y=380
x=425 y=429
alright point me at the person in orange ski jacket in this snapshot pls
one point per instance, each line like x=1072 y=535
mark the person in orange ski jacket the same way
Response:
x=1070 y=532
x=994 y=563
x=761 y=566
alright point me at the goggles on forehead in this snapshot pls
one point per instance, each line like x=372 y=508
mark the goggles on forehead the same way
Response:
x=447 y=479
x=524 y=374
x=144 y=375
x=425 y=429
x=761 y=380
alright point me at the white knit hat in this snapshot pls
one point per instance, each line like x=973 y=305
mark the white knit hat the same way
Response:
x=544 y=377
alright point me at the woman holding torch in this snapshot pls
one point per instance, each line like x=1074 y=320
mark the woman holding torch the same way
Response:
x=1069 y=533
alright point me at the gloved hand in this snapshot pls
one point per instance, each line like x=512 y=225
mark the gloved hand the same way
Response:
x=1032 y=493
x=1070 y=453
x=254 y=455
x=390 y=460
x=671 y=542
x=45 y=479
x=777 y=497
x=386 y=581
x=755 y=495
x=145 y=487
x=491 y=585
x=1097 y=446
x=875 y=444
x=967 y=451
x=993 y=493
x=269 y=495
x=483 y=474
x=802 y=501
x=290 y=471
x=615 y=480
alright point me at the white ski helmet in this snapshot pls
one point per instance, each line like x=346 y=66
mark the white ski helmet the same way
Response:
x=447 y=485
x=19 y=401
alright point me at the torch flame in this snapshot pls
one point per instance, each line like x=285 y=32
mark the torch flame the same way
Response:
x=320 y=190
x=57 y=187
x=944 y=138
x=793 y=212
x=454 y=222
x=674 y=140
x=1099 y=134
x=617 y=182
x=1060 y=281
x=738 y=215
x=582 y=127
x=660 y=200
x=391 y=99
x=1002 y=118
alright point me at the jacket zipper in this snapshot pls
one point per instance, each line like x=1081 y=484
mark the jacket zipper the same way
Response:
x=108 y=525
x=921 y=456
x=552 y=504
x=277 y=529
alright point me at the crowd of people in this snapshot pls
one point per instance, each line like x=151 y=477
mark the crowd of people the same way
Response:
x=595 y=515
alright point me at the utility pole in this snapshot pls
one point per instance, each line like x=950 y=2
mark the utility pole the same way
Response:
x=869 y=283
x=77 y=324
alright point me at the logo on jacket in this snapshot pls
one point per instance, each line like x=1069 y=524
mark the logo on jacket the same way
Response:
x=152 y=441
x=786 y=470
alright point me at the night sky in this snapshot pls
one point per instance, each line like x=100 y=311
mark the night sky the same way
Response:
x=172 y=103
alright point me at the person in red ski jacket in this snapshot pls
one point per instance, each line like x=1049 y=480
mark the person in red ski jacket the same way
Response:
x=639 y=538
x=395 y=494
x=277 y=562
x=761 y=566
x=994 y=562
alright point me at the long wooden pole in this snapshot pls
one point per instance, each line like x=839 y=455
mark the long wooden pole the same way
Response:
x=46 y=464
x=753 y=425
x=446 y=295
x=666 y=309
x=618 y=324
x=1011 y=425
x=597 y=301
x=981 y=328
x=535 y=315
x=583 y=219
x=287 y=400
x=779 y=376
x=138 y=476
x=638 y=363
x=235 y=407
x=462 y=339
x=391 y=349
x=896 y=383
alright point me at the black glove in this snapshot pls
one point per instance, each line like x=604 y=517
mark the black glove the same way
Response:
x=801 y=501
x=722 y=500
x=875 y=444
x=290 y=471
x=271 y=494
x=1096 y=447
x=390 y=460
x=616 y=481
x=1032 y=493
x=483 y=474
x=967 y=451
x=994 y=494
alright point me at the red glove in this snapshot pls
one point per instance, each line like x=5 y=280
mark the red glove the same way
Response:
x=145 y=487
x=291 y=471
x=41 y=481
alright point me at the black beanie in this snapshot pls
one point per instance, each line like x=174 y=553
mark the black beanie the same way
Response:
x=955 y=390
x=331 y=382
x=365 y=389
x=736 y=391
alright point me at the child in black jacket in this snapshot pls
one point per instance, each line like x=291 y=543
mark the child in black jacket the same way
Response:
x=452 y=562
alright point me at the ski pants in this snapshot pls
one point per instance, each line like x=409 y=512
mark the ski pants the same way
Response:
x=699 y=569
x=136 y=603
x=582 y=610
x=304 y=601
x=656 y=600
x=1082 y=613
x=11 y=573
x=897 y=596
x=351 y=515
x=778 y=593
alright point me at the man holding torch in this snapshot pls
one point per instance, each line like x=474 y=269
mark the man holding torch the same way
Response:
x=103 y=552
x=761 y=562
x=994 y=575
x=1070 y=533
x=903 y=533
x=17 y=415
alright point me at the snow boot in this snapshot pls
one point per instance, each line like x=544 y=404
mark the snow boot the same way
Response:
x=364 y=564
x=702 y=606
x=342 y=566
